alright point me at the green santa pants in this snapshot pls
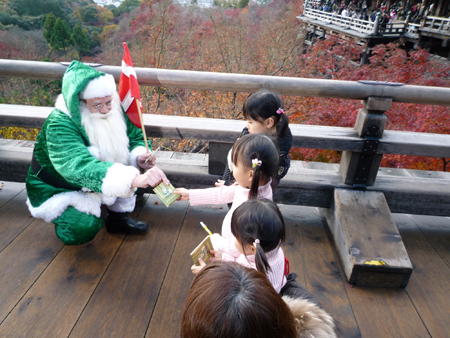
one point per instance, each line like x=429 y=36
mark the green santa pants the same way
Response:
x=74 y=227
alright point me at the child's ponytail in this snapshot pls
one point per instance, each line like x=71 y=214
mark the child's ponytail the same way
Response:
x=259 y=223
x=260 y=258
x=260 y=153
x=283 y=123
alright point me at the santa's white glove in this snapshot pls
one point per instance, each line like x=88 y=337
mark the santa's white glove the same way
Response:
x=152 y=177
x=146 y=160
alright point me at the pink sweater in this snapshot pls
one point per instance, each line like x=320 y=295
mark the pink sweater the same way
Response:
x=275 y=258
x=226 y=243
x=227 y=194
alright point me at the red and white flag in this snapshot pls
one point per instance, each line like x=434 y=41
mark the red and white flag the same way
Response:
x=129 y=88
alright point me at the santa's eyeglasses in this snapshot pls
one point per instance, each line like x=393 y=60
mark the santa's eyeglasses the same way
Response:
x=99 y=107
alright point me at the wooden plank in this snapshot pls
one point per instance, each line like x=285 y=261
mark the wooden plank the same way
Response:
x=364 y=232
x=386 y=312
x=429 y=286
x=166 y=319
x=15 y=219
x=220 y=130
x=8 y=190
x=437 y=231
x=311 y=257
x=21 y=263
x=53 y=304
x=123 y=302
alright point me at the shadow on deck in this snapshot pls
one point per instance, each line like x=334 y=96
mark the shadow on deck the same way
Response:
x=124 y=286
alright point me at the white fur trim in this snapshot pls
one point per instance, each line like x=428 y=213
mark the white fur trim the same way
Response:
x=99 y=87
x=118 y=180
x=88 y=203
x=123 y=204
x=61 y=105
x=134 y=154
x=94 y=151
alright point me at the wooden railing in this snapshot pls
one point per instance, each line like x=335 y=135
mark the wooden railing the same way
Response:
x=358 y=201
x=430 y=24
x=436 y=25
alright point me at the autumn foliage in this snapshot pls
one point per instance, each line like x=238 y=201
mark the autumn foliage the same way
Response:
x=265 y=40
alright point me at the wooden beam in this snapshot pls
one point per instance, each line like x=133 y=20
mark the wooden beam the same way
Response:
x=219 y=130
x=242 y=83
x=368 y=241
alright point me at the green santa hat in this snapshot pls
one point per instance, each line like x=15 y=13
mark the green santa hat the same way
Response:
x=84 y=82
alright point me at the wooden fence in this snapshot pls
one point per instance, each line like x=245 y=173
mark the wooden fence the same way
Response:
x=349 y=194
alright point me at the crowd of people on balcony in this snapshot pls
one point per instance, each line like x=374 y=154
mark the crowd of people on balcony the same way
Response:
x=413 y=11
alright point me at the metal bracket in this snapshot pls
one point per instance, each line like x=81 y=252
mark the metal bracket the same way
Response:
x=370 y=147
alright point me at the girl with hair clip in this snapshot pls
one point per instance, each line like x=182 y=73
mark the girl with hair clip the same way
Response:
x=259 y=231
x=255 y=158
x=264 y=113
x=228 y=300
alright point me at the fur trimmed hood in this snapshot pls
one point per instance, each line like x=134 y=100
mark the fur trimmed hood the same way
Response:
x=311 y=320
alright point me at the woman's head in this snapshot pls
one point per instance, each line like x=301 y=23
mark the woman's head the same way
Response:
x=255 y=161
x=264 y=113
x=258 y=227
x=229 y=300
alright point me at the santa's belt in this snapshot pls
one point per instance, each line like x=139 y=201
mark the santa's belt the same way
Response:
x=48 y=178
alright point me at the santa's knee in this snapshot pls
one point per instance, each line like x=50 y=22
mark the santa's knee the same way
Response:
x=74 y=227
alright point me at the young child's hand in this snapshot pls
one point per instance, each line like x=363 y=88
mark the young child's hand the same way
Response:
x=216 y=255
x=196 y=269
x=219 y=183
x=184 y=194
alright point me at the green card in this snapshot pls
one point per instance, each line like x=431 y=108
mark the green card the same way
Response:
x=202 y=251
x=166 y=193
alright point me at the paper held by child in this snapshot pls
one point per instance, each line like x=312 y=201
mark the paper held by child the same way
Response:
x=166 y=193
x=202 y=251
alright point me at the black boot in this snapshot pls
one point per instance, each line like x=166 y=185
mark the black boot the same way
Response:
x=121 y=222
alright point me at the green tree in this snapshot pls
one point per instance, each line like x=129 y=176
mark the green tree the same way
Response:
x=125 y=7
x=61 y=38
x=80 y=40
x=49 y=26
x=243 y=3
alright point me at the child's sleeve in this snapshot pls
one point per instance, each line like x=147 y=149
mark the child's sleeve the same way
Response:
x=226 y=246
x=220 y=195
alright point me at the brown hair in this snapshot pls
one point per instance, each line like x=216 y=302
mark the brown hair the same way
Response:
x=229 y=300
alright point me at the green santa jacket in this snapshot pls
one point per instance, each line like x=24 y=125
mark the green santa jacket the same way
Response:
x=62 y=149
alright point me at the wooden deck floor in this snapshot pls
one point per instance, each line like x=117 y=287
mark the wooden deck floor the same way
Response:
x=125 y=286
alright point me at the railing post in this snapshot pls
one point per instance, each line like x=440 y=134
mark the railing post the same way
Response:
x=217 y=158
x=377 y=24
x=360 y=168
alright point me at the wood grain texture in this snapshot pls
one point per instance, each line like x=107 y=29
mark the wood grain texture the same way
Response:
x=311 y=257
x=8 y=190
x=385 y=312
x=13 y=222
x=429 y=285
x=51 y=307
x=124 y=301
x=363 y=231
x=166 y=319
x=21 y=264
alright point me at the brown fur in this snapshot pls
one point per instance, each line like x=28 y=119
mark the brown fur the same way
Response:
x=311 y=320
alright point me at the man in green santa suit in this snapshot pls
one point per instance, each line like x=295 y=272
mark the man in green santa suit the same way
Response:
x=89 y=153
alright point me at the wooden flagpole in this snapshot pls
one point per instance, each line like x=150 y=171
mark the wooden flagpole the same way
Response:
x=142 y=124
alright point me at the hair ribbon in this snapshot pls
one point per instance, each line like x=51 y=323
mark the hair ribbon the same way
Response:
x=255 y=242
x=280 y=111
x=256 y=163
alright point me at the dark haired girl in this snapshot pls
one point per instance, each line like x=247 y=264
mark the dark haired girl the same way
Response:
x=264 y=113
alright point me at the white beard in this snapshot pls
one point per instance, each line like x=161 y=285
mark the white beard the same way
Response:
x=108 y=132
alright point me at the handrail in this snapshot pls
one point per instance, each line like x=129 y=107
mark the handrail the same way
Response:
x=244 y=83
